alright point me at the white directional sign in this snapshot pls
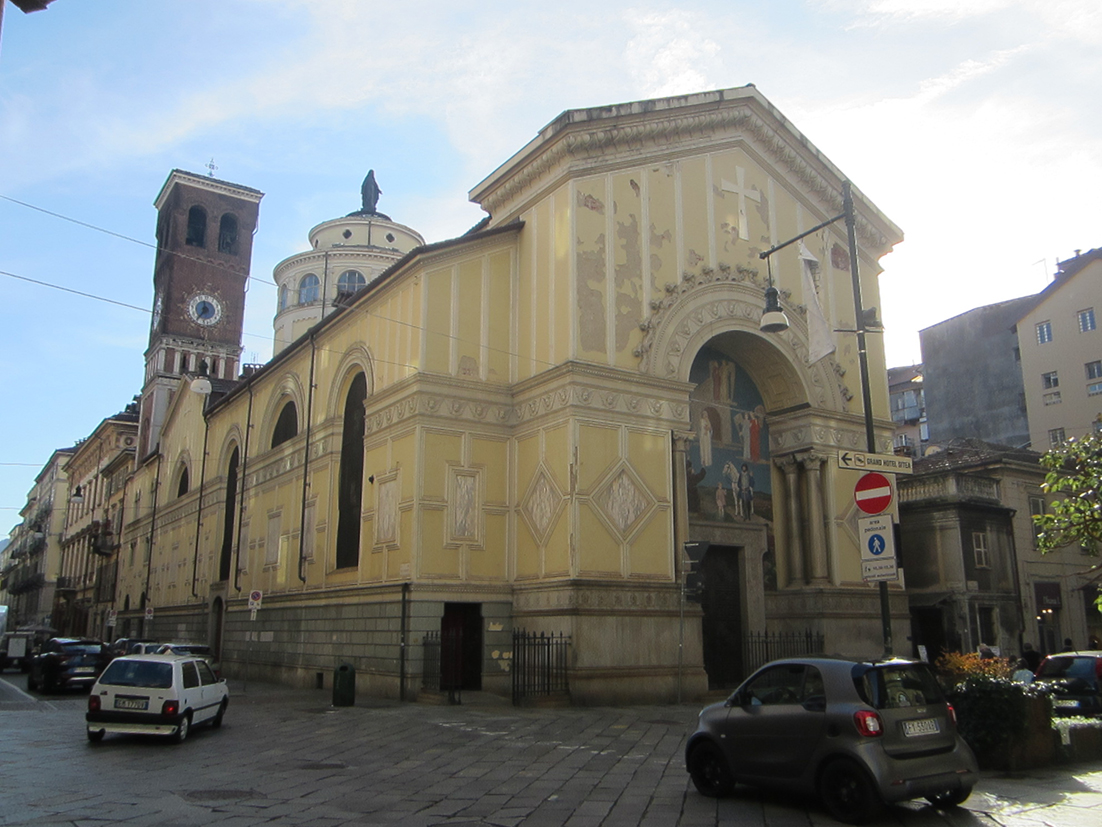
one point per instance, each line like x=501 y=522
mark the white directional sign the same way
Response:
x=877 y=540
x=860 y=461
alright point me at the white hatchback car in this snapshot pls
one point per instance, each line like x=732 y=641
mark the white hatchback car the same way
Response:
x=155 y=695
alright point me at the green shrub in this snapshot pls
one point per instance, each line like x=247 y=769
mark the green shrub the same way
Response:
x=992 y=712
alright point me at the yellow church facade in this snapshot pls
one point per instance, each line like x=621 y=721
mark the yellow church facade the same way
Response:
x=544 y=425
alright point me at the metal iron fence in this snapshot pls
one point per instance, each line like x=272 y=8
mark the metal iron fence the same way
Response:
x=759 y=648
x=539 y=664
x=443 y=663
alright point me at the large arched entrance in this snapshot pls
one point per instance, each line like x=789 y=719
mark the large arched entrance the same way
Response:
x=730 y=484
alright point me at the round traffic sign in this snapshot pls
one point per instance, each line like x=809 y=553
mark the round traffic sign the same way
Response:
x=873 y=493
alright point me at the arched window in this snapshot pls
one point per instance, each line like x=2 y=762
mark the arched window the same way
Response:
x=286 y=426
x=351 y=485
x=227 y=234
x=182 y=487
x=196 y=227
x=227 y=525
x=308 y=289
x=349 y=282
x=284 y=293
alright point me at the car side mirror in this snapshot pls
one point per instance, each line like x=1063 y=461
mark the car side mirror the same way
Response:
x=737 y=699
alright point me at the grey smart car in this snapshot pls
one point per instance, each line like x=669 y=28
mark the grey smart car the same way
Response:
x=858 y=733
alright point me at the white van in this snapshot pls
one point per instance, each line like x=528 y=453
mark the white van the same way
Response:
x=155 y=695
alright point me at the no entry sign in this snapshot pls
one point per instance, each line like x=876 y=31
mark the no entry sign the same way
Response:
x=873 y=493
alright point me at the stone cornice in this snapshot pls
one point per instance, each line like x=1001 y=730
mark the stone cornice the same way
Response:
x=644 y=138
x=203 y=182
x=315 y=258
x=584 y=389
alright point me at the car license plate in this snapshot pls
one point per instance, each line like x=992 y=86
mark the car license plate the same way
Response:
x=84 y=670
x=926 y=726
x=131 y=703
x=1065 y=702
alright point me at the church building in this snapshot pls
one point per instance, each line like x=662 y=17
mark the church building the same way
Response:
x=548 y=423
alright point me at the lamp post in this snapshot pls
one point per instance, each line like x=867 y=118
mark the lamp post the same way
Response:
x=770 y=323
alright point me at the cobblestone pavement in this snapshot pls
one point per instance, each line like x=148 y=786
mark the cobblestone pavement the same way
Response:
x=287 y=757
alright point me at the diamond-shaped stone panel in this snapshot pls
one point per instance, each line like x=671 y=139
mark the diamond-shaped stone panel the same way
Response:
x=623 y=502
x=543 y=501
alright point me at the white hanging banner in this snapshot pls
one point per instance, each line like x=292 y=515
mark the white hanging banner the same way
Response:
x=821 y=339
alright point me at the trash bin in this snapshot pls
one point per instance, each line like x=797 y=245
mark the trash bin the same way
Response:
x=344 y=685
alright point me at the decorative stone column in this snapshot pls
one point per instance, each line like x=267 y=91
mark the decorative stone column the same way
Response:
x=813 y=464
x=795 y=550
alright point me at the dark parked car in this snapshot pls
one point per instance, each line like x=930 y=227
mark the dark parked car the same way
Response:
x=1076 y=681
x=65 y=662
x=858 y=733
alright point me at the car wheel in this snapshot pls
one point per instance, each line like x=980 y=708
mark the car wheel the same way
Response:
x=183 y=728
x=950 y=798
x=217 y=722
x=49 y=685
x=32 y=684
x=95 y=735
x=847 y=792
x=710 y=772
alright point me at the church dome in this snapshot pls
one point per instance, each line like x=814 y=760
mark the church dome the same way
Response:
x=346 y=254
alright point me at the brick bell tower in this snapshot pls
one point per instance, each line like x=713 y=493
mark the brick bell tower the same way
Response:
x=204 y=251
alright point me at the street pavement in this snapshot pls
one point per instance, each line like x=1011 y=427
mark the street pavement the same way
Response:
x=288 y=757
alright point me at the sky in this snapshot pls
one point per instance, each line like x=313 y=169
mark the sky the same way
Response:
x=974 y=125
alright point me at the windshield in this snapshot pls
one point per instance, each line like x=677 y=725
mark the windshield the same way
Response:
x=898 y=685
x=81 y=648
x=138 y=673
x=1067 y=667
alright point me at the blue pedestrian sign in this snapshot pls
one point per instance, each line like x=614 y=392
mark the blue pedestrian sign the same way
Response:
x=877 y=548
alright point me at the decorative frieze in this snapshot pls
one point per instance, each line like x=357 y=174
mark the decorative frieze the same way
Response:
x=593 y=597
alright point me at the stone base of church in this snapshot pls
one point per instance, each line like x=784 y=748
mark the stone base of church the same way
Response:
x=625 y=639
x=848 y=618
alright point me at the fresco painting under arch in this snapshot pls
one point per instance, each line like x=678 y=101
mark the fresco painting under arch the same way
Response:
x=728 y=471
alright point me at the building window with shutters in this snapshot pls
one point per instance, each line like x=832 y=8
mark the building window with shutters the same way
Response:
x=1050 y=380
x=1056 y=437
x=1044 y=332
x=1086 y=320
x=1052 y=398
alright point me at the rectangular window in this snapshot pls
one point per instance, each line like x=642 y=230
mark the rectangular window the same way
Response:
x=1050 y=380
x=1094 y=369
x=979 y=547
x=1056 y=437
x=1036 y=507
x=1094 y=388
x=271 y=542
x=1052 y=398
x=1044 y=333
x=986 y=617
x=1086 y=320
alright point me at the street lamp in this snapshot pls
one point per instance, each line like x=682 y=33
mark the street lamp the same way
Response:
x=861 y=324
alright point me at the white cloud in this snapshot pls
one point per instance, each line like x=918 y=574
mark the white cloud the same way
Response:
x=669 y=54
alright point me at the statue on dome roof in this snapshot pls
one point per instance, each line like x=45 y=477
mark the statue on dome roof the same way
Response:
x=370 y=193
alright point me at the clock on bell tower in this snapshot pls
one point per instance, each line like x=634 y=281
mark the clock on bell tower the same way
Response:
x=204 y=251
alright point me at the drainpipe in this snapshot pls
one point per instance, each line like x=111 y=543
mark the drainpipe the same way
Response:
x=402 y=645
x=306 y=464
x=149 y=541
x=199 y=510
x=241 y=501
